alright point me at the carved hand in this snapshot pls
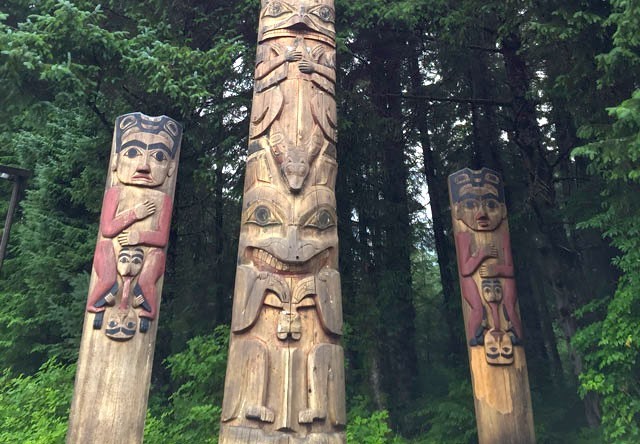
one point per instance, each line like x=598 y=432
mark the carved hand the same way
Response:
x=306 y=67
x=144 y=209
x=488 y=271
x=129 y=238
x=490 y=251
x=293 y=55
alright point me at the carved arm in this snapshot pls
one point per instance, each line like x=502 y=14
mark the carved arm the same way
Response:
x=468 y=262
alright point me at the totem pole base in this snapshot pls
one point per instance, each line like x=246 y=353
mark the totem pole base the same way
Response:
x=247 y=435
x=503 y=413
x=109 y=372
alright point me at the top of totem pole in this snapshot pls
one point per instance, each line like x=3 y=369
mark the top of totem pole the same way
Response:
x=285 y=17
x=477 y=197
x=145 y=149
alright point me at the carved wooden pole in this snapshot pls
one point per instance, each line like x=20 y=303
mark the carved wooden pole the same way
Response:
x=492 y=320
x=116 y=353
x=285 y=375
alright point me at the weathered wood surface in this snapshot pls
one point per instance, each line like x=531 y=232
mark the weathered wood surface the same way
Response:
x=116 y=353
x=491 y=313
x=285 y=374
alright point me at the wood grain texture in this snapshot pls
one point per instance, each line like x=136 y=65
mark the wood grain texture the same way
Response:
x=491 y=313
x=116 y=352
x=285 y=374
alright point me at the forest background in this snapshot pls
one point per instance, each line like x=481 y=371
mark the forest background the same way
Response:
x=546 y=92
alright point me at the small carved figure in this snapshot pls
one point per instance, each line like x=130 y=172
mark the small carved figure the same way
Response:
x=294 y=109
x=484 y=258
x=136 y=214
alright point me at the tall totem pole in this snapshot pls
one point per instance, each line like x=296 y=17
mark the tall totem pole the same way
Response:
x=494 y=331
x=116 y=353
x=285 y=374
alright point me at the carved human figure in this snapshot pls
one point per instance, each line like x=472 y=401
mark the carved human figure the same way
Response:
x=294 y=108
x=484 y=251
x=136 y=213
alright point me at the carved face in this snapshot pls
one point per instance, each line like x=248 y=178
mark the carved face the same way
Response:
x=130 y=261
x=312 y=15
x=492 y=290
x=121 y=325
x=481 y=211
x=289 y=234
x=144 y=159
x=498 y=348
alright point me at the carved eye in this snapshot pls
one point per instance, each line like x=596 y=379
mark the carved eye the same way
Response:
x=136 y=261
x=159 y=156
x=321 y=220
x=497 y=290
x=471 y=204
x=131 y=325
x=491 y=204
x=275 y=9
x=124 y=260
x=263 y=216
x=132 y=153
x=325 y=13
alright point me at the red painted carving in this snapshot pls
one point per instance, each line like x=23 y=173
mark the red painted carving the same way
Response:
x=485 y=262
x=136 y=212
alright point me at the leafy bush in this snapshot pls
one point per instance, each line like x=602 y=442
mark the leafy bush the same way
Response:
x=34 y=409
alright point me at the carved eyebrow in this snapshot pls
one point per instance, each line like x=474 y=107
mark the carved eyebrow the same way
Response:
x=136 y=143
x=159 y=146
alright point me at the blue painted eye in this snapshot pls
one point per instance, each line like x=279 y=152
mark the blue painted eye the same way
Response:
x=132 y=153
x=159 y=156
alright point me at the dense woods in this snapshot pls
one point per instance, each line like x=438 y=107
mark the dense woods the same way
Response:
x=547 y=93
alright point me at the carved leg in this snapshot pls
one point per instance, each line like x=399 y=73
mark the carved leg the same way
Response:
x=472 y=296
x=246 y=382
x=106 y=286
x=152 y=270
x=325 y=373
x=510 y=302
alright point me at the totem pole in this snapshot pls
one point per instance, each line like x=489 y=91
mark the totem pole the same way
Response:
x=285 y=374
x=491 y=313
x=116 y=353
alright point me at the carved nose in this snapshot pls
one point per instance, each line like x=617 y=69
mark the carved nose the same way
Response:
x=294 y=243
x=143 y=167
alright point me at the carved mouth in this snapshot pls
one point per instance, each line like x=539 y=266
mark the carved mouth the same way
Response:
x=143 y=177
x=265 y=261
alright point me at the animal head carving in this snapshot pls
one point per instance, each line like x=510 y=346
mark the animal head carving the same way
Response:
x=317 y=16
x=295 y=161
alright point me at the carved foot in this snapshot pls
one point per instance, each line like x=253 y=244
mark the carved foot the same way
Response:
x=97 y=320
x=139 y=299
x=310 y=415
x=260 y=413
x=108 y=299
x=145 y=323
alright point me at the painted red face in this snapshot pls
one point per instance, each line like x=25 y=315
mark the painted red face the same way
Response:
x=482 y=213
x=144 y=159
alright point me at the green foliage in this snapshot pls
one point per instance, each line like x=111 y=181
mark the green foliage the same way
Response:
x=34 y=409
x=193 y=411
x=612 y=343
x=372 y=429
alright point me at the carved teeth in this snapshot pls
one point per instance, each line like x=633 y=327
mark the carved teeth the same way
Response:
x=264 y=257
